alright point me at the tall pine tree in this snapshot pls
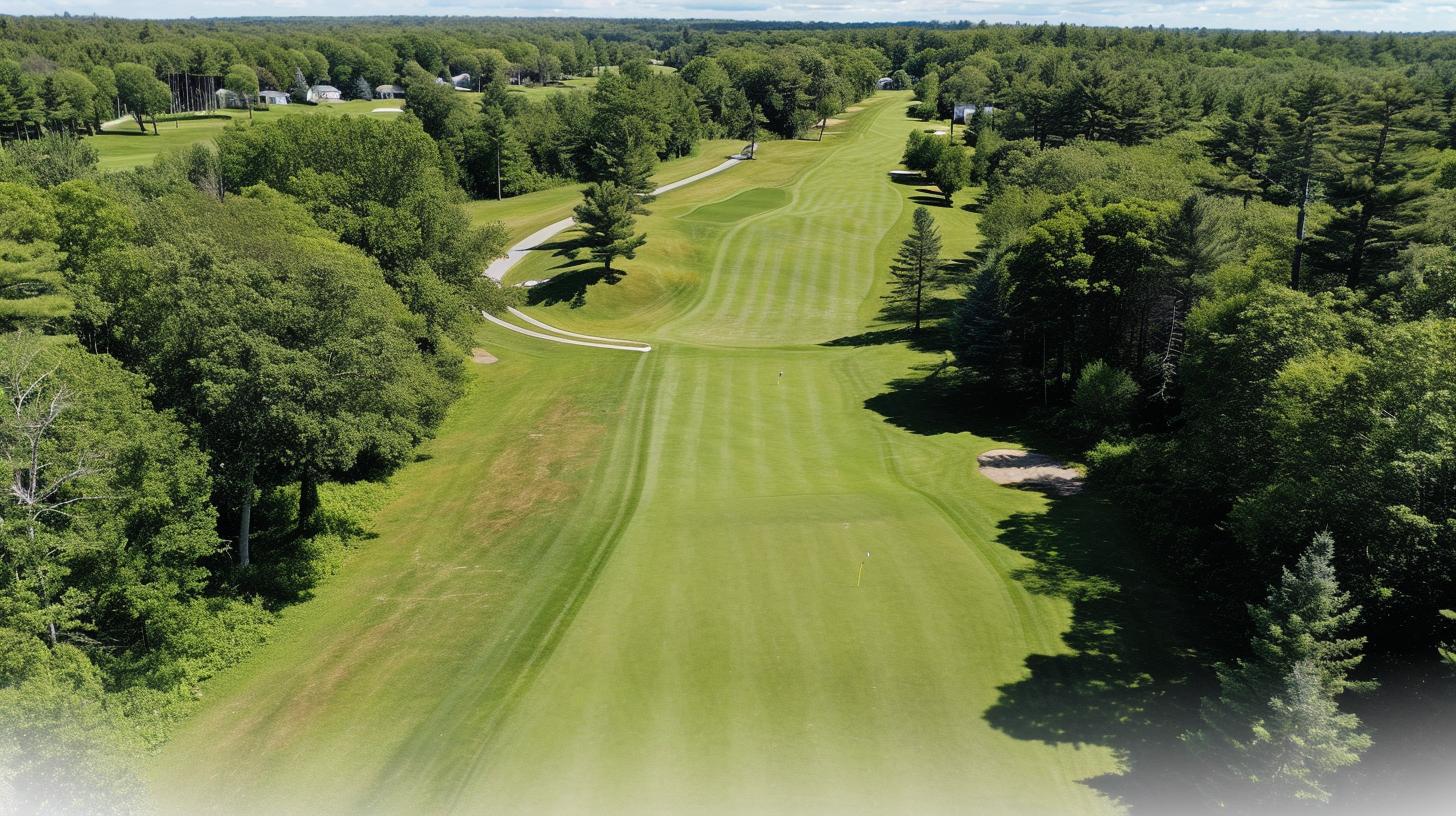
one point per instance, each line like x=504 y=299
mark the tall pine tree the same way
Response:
x=1302 y=122
x=916 y=269
x=605 y=216
x=1372 y=183
x=1275 y=730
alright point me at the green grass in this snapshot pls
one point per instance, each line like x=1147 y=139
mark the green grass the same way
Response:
x=539 y=91
x=122 y=145
x=525 y=214
x=625 y=583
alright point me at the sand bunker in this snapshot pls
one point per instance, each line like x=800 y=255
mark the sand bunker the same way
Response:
x=482 y=356
x=1029 y=470
x=388 y=110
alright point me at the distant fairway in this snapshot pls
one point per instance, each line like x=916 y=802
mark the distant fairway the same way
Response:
x=122 y=145
x=625 y=583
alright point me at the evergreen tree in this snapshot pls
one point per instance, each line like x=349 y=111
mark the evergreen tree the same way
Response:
x=917 y=266
x=1372 y=184
x=1275 y=728
x=496 y=163
x=1303 y=122
x=298 y=91
x=605 y=218
x=981 y=334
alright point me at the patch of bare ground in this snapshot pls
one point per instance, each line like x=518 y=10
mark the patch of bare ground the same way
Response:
x=482 y=356
x=1034 y=471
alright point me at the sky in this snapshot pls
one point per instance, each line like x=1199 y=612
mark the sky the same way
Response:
x=1362 y=15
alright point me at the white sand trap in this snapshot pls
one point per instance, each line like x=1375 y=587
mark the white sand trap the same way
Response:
x=1026 y=469
x=482 y=356
x=905 y=173
x=387 y=110
x=938 y=133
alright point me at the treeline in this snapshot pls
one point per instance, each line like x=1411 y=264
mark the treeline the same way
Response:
x=1228 y=277
x=208 y=363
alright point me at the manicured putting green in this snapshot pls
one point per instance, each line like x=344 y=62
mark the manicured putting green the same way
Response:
x=743 y=205
x=630 y=583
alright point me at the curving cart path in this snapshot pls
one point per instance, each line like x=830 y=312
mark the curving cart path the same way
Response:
x=500 y=266
x=497 y=271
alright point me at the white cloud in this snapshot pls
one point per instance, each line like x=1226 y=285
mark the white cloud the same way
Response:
x=1368 y=15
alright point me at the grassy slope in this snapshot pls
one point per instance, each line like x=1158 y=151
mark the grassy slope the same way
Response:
x=122 y=146
x=626 y=582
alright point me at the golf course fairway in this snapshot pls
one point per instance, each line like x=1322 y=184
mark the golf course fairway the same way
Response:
x=631 y=583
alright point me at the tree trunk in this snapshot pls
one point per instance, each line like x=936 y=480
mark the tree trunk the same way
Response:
x=919 y=288
x=308 y=500
x=245 y=525
x=1299 y=222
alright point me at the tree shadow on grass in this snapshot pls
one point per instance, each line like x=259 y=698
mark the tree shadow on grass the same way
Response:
x=571 y=277
x=930 y=197
x=571 y=286
x=1129 y=678
x=1130 y=681
x=934 y=334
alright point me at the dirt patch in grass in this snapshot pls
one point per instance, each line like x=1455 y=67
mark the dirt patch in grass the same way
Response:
x=482 y=356
x=1034 y=471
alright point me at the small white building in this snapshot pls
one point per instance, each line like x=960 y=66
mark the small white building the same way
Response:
x=324 y=93
x=389 y=92
x=273 y=97
x=227 y=99
x=965 y=113
x=461 y=82
x=884 y=83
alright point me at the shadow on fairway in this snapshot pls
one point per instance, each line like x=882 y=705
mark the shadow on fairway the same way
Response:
x=572 y=277
x=1126 y=682
x=934 y=334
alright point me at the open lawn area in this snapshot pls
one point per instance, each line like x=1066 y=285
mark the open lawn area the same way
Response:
x=752 y=571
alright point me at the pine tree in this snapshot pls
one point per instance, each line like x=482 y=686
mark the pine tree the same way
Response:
x=1308 y=738
x=916 y=269
x=1275 y=729
x=981 y=331
x=1302 y=123
x=605 y=217
x=1373 y=183
x=627 y=160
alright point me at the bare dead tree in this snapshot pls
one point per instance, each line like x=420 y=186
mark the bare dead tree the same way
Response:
x=41 y=487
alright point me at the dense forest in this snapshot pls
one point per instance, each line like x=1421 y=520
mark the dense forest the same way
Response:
x=1222 y=265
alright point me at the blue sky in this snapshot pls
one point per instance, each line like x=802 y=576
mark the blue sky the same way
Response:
x=1366 y=15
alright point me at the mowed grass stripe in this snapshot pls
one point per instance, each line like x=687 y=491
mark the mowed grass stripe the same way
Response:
x=788 y=688
x=721 y=660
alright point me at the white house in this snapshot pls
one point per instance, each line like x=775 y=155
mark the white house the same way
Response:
x=965 y=113
x=461 y=82
x=389 y=92
x=273 y=97
x=324 y=93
